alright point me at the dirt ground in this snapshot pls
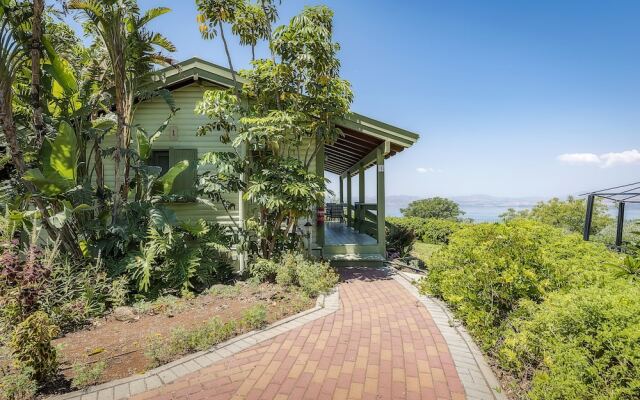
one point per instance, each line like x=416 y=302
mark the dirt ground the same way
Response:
x=121 y=344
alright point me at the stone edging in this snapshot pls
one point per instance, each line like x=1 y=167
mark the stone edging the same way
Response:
x=477 y=378
x=126 y=387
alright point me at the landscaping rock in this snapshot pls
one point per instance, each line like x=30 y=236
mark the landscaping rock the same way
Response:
x=124 y=314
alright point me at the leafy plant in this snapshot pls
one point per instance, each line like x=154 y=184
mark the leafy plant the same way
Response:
x=583 y=344
x=294 y=99
x=255 y=317
x=316 y=277
x=31 y=346
x=85 y=375
x=263 y=270
x=400 y=239
x=18 y=385
x=488 y=269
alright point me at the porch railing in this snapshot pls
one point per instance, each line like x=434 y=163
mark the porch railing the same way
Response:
x=365 y=218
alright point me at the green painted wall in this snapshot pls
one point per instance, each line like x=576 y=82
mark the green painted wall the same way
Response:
x=150 y=114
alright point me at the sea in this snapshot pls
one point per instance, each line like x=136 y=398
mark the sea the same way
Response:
x=484 y=208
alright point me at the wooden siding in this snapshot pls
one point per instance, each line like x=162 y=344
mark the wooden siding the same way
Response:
x=150 y=115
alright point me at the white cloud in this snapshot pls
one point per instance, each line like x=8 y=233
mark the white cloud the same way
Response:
x=579 y=158
x=424 y=170
x=625 y=157
x=604 y=160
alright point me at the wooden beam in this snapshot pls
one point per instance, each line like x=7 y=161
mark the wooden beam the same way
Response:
x=371 y=157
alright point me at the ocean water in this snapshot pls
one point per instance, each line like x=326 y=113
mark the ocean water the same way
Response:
x=491 y=213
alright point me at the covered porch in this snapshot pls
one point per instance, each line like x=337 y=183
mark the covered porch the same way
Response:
x=354 y=224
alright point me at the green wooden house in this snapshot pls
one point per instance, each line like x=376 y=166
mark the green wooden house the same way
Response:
x=356 y=234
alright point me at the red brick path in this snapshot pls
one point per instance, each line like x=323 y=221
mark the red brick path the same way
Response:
x=381 y=344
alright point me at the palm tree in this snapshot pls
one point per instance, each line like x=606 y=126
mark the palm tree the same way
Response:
x=213 y=14
x=117 y=24
x=13 y=61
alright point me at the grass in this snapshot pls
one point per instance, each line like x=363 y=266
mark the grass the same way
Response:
x=424 y=251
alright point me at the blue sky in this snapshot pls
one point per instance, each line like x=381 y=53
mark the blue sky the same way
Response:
x=511 y=98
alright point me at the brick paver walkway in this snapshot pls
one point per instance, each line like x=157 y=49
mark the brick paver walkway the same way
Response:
x=381 y=344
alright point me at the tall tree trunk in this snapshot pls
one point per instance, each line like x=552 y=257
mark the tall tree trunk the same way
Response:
x=36 y=50
x=127 y=144
x=236 y=89
x=10 y=133
x=119 y=73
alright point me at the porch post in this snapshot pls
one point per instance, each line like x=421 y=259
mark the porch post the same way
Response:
x=341 y=190
x=320 y=172
x=361 y=184
x=380 y=200
x=349 y=204
x=359 y=220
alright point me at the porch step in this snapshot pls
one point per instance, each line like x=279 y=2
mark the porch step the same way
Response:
x=370 y=260
x=356 y=257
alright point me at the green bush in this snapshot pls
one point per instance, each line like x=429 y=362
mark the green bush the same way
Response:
x=438 y=231
x=400 y=239
x=287 y=273
x=85 y=375
x=293 y=269
x=487 y=269
x=584 y=344
x=18 y=385
x=31 y=346
x=414 y=224
x=316 y=277
x=263 y=270
x=255 y=317
x=428 y=230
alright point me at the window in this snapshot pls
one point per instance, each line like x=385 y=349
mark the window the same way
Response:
x=185 y=183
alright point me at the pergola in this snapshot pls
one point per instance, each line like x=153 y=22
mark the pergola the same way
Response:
x=623 y=194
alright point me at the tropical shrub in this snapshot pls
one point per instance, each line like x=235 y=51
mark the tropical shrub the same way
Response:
x=400 y=239
x=434 y=207
x=76 y=292
x=178 y=259
x=31 y=346
x=584 y=344
x=488 y=269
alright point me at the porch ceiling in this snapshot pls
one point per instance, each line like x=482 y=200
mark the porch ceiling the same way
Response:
x=350 y=149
